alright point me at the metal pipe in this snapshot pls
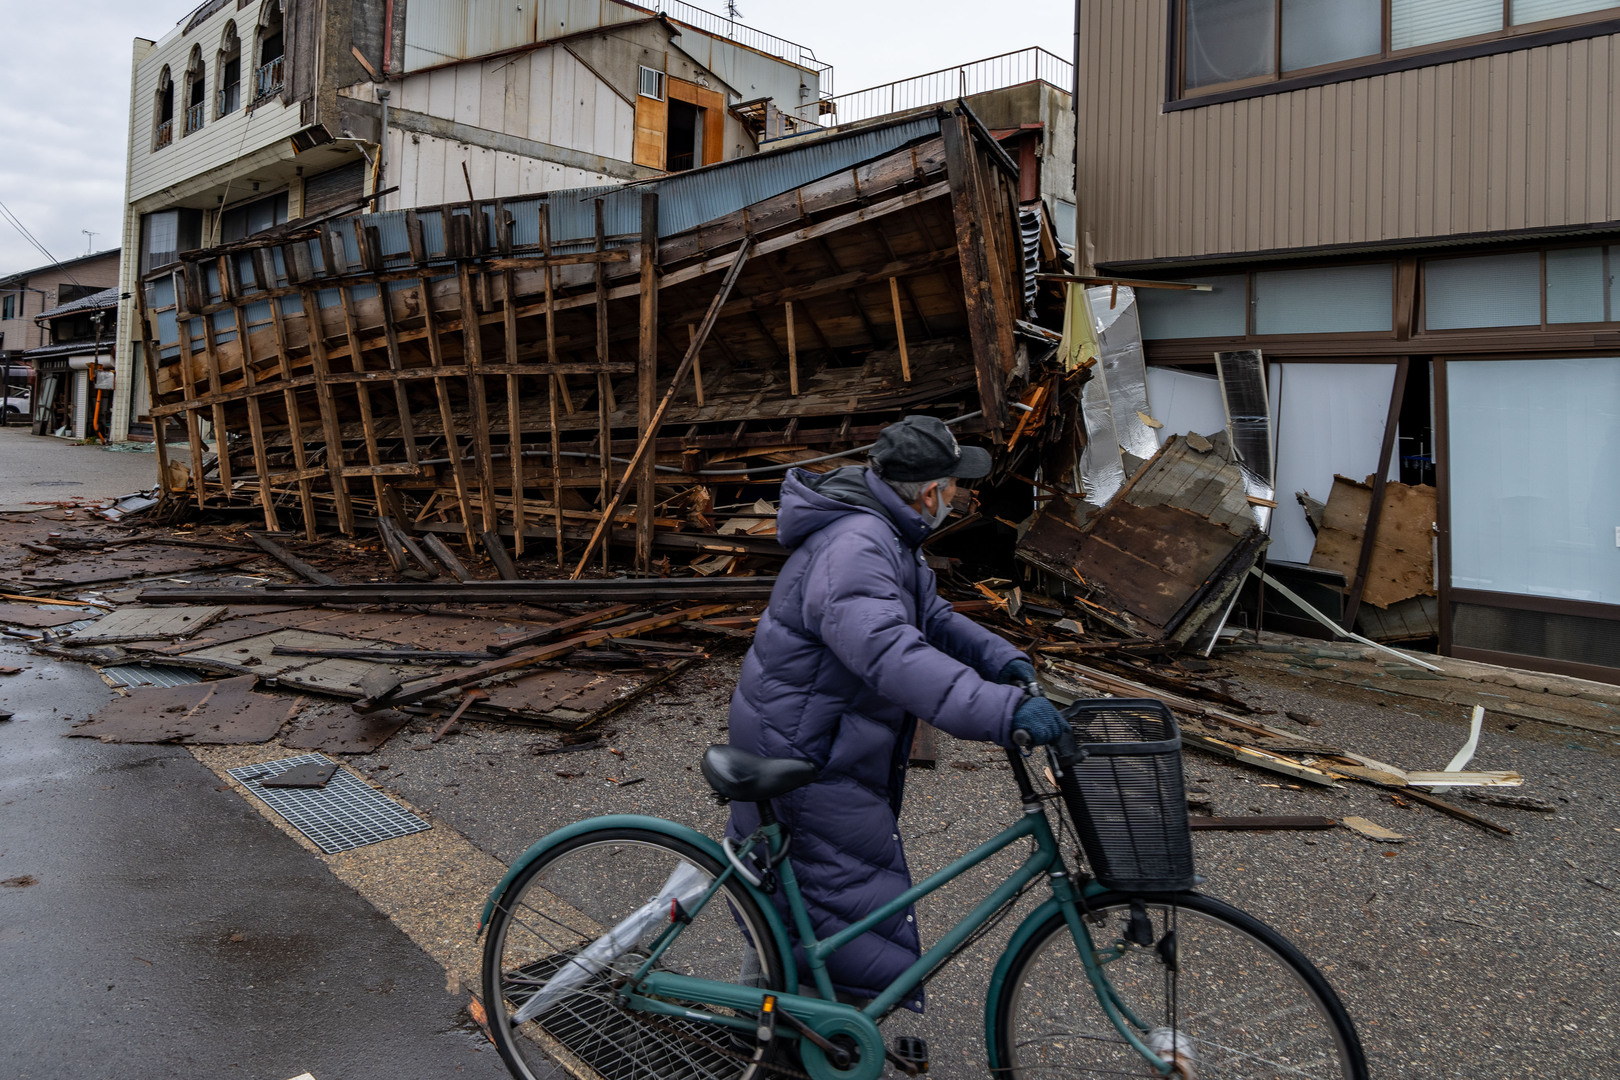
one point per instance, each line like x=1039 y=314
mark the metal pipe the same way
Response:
x=382 y=141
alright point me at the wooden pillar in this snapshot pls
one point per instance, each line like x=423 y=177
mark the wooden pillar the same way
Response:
x=557 y=385
x=295 y=419
x=647 y=377
x=604 y=388
x=793 y=351
x=1375 y=511
x=900 y=329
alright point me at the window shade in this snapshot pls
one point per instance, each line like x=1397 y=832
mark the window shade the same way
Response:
x=1167 y=313
x=1229 y=40
x=1529 y=11
x=1487 y=290
x=1330 y=300
x=1327 y=31
x=1424 y=22
x=1575 y=285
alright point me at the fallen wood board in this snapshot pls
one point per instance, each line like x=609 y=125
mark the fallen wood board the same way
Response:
x=139 y=623
x=419 y=689
x=337 y=729
x=1235 y=824
x=33 y=618
x=1452 y=810
x=1402 y=564
x=735 y=589
x=1372 y=830
x=224 y=712
x=1516 y=802
x=556 y=630
x=289 y=560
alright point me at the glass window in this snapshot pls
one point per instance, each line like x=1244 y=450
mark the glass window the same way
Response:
x=1172 y=313
x=1327 y=300
x=1229 y=40
x=1424 y=22
x=1575 y=285
x=1534 y=504
x=1529 y=11
x=1485 y=290
x=1327 y=31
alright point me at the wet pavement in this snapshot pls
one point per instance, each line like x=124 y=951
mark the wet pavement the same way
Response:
x=152 y=924
x=42 y=469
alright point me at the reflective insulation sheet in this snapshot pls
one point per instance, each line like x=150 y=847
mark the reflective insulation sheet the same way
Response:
x=1102 y=469
x=1119 y=335
x=1248 y=423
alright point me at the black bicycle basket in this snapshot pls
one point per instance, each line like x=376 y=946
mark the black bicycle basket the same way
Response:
x=1125 y=794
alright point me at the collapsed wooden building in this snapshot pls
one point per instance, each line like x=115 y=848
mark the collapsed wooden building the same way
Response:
x=593 y=366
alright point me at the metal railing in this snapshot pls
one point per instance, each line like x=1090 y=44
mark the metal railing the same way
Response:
x=194 y=117
x=947 y=84
x=731 y=29
x=267 y=79
x=228 y=100
x=164 y=135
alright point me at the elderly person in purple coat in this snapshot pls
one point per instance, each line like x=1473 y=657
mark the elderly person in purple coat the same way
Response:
x=855 y=647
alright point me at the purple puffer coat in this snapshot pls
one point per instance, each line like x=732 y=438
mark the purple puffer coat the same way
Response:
x=855 y=645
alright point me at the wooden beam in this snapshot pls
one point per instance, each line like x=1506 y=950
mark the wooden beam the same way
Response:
x=290 y=561
x=604 y=388
x=547 y=261
x=793 y=351
x=669 y=395
x=473 y=354
x=900 y=329
x=193 y=421
x=149 y=356
x=697 y=365
x=1375 y=511
x=328 y=410
x=555 y=385
x=976 y=272
x=295 y=420
x=447 y=417
x=368 y=426
x=514 y=418
x=647 y=377
x=261 y=459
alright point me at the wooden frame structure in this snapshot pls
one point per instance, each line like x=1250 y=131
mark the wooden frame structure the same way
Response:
x=560 y=368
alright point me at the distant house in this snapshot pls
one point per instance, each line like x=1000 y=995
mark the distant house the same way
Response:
x=23 y=296
x=1413 y=211
x=73 y=369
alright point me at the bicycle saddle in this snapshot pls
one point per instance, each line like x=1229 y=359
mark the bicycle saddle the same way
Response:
x=737 y=774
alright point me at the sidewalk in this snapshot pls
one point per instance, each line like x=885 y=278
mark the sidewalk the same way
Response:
x=45 y=469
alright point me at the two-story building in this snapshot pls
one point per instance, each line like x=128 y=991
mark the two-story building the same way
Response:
x=73 y=367
x=1413 y=211
x=24 y=295
x=252 y=113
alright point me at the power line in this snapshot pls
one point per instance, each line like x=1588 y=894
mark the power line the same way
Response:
x=12 y=219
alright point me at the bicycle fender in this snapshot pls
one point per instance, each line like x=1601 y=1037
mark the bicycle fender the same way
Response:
x=674 y=831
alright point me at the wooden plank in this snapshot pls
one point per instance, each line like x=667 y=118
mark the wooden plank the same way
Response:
x=559 y=629
x=447 y=558
x=362 y=392
x=497 y=555
x=555 y=385
x=193 y=421
x=221 y=430
x=402 y=404
x=514 y=418
x=447 y=418
x=295 y=421
x=604 y=388
x=289 y=560
x=149 y=356
x=261 y=458
x=697 y=363
x=647 y=377
x=416 y=691
x=472 y=351
x=793 y=351
x=900 y=329
x=645 y=442
x=391 y=544
x=328 y=410
x=976 y=290
x=1369 y=537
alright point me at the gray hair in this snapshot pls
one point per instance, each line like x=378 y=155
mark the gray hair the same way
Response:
x=910 y=490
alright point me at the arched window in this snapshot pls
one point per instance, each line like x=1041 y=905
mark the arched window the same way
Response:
x=269 y=75
x=196 y=91
x=228 y=69
x=163 y=111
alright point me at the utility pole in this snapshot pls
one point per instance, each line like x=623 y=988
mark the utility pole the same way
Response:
x=90 y=242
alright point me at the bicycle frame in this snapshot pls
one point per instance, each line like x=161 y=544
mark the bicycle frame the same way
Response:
x=659 y=991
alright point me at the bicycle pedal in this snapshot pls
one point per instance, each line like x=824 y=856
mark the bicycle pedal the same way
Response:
x=913 y=1051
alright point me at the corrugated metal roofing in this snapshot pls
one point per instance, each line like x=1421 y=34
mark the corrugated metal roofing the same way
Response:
x=106 y=298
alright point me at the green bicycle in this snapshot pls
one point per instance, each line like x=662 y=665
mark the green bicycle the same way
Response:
x=633 y=948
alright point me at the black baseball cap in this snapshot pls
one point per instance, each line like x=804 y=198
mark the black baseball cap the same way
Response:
x=923 y=448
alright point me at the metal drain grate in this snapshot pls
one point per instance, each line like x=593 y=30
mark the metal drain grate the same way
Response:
x=344 y=814
x=615 y=1044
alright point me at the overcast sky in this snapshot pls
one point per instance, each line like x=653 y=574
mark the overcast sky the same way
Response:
x=65 y=85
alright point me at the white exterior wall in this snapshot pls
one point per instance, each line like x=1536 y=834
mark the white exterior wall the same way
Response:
x=219 y=142
x=428 y=172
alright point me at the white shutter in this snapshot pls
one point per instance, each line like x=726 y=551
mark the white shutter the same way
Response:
x=1168 y=313
x=1425 y=22
x=1529 y=11
x=1485 y=290
x=1330 y=300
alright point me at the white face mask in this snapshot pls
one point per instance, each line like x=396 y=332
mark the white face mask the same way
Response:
x=943 y=511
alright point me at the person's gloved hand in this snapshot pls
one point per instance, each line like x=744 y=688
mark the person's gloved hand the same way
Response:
x=1040 y=718
x=1017 y=672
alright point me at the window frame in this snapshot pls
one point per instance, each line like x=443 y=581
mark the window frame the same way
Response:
x=1510 y=38
x=1421 y=321
x=661 y=77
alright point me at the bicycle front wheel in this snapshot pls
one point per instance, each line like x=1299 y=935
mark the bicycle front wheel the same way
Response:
x=1227 y=994
x=582 y=918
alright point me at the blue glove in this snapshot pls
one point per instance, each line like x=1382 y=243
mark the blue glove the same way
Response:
x=1017 y=672
x=1040 y=718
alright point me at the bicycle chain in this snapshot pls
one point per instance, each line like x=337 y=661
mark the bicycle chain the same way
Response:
x=745 y=1059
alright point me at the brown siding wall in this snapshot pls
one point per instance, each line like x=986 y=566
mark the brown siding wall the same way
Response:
x=1519 y=140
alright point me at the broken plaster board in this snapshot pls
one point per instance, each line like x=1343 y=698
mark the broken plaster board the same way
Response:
x=138 y=623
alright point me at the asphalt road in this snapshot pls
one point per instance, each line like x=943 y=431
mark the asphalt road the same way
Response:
x=1461 y=954
x=42 y=469
x=152 y=925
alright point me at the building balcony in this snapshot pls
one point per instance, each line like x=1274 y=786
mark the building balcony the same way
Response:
x=164 y=135
x=194 y=118
x=269 y=79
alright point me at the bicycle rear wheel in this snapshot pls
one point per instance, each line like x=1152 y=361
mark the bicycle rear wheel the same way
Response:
x=1243 y=1004
x=583 y=917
